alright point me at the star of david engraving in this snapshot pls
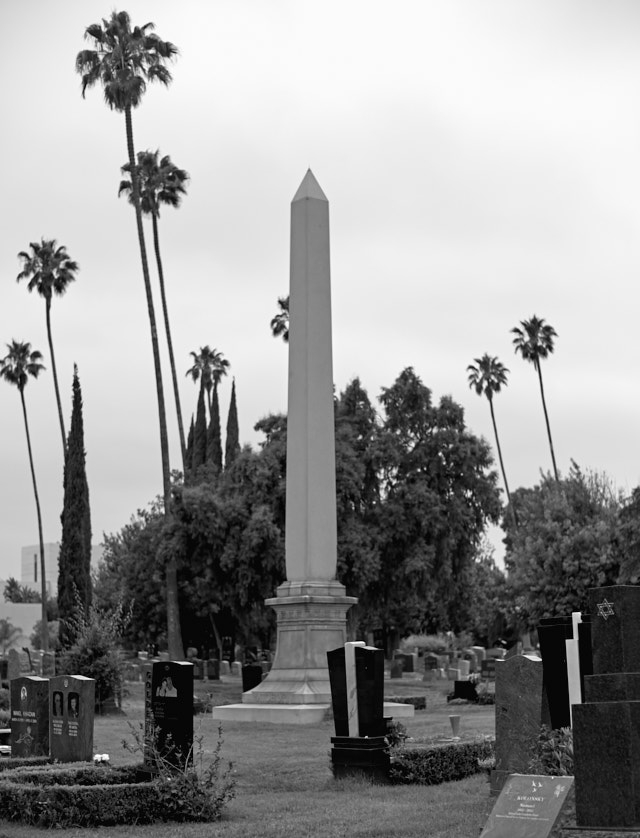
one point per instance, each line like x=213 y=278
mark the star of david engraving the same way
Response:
x=605 y=609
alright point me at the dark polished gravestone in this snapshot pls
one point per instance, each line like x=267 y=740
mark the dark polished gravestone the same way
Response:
x=169 y=713
x=606 y=726
x=72 y=709
x=528 y=806
x=29 y=716
x=356 y=675
x=519 y=714
x=553 y=632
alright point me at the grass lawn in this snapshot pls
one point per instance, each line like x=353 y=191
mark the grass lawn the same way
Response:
x=284 y=785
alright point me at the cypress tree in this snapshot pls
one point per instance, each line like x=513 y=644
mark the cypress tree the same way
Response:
x=189 y=457
x=74 y=573
x=200 y=434
x=214 y=440
x=232 y=442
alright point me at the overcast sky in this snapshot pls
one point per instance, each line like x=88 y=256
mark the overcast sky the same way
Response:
x=482 y=164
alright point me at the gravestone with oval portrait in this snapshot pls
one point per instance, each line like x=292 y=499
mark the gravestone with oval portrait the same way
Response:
x=29 y=716
x=72 y=709
x=169 y=713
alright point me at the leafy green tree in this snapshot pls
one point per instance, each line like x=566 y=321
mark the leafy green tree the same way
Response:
x=9 y=634
x=190 y=437
x=492 y=614
x=487 y=376
x=74 y=563
x=357 y=496
x=21 y=363
x=438 y=493
x=124 y=60
x=161 y=183
x=199 y=455
x=232 y=437
x=628 y=539
x=280 y=323
x=129 y=572
x=49 y=271
x=15 y=592
x=565 y=544
x=214 y=440
x=534 y=341
x=96 y=652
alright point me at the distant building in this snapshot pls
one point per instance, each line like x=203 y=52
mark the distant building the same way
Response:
x=30 y=565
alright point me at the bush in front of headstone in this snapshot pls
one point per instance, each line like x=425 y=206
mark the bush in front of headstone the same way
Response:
x=96 y=653
x=552 y=754
x=189 y=788
x=5 y=707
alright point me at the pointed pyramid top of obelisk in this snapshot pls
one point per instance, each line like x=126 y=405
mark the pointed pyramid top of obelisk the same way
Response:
x=309 y=188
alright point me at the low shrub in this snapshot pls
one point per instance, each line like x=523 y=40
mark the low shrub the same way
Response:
x=436 y=643
x=418 y=701
x=396 y=734
x=439 y=763
x=553 y=753
x=51 y=795
x=23 y=762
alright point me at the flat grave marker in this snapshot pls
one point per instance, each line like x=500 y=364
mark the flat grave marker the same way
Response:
x=528 y=806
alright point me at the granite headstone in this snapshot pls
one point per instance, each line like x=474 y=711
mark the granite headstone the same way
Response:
x=606 y=727
x=518 y=709
x=169 y=713
x=29 y=716
x=72 y=710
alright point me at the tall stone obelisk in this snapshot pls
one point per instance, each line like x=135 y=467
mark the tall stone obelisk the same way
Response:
x=311 y=605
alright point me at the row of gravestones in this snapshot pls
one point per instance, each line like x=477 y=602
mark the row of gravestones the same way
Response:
x=52 y=717
x=588 y=678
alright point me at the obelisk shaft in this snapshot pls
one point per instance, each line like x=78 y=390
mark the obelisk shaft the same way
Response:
x=311 y=533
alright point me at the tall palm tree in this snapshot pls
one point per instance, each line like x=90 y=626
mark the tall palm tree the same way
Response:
x=160 y=183
x=534 y=341
x=487 y=376
x=124 y=60
x=15 y=368
x=50 y=271
x=209 y=366
x=280 y=323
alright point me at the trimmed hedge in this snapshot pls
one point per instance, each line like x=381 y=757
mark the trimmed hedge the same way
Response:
x=418 y=701
x=436 y=764
x=23 y=762
x=103 y=796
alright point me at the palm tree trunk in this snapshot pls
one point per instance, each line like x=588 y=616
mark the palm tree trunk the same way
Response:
x=174 y=635
x=43 y=577
x=504 y=474
x=546 y=419
x=165 y=311
x=55 y=377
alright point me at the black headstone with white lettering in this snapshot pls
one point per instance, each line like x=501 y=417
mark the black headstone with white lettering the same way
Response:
x=359 y=746
x=72 y=709
x=553 y=632
x=29 y=716
x=169 y=713
x=606 y=727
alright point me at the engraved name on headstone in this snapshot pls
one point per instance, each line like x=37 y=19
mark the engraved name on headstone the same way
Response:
x=72 y=709
x=29 y=716
x=528 y=806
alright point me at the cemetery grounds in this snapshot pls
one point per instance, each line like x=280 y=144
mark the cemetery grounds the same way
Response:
x=283 y=781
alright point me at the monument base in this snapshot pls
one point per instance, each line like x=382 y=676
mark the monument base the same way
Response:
x=293 y=714
x=312 y=619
